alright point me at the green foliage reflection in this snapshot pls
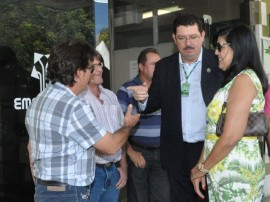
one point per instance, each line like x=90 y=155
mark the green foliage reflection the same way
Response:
x=29 y=28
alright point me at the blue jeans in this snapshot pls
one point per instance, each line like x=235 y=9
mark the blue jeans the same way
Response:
x=150 y=183
x=103 y=188
x=66 y=193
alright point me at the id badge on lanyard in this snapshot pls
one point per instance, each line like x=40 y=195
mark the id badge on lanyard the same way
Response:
x=185 y=87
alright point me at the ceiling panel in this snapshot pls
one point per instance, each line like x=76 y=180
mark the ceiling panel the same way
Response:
x=64 y=4
x=148 y=3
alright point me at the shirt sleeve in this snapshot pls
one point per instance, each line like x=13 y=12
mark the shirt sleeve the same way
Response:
x=125 y=97
x=86 y=130
x=142 y=106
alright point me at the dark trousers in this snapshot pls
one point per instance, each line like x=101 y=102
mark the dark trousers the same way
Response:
x=150 y=183
x=182 y=189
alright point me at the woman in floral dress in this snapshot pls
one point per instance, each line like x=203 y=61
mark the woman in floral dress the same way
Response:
x=233 y=164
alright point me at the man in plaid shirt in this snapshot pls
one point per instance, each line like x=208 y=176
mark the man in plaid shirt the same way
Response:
x=63 y=130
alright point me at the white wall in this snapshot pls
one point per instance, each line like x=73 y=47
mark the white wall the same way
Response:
x=121 y=70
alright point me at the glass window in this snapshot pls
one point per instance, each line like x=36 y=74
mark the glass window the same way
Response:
x=28 y=29
x=139 y=23
x=131 y=27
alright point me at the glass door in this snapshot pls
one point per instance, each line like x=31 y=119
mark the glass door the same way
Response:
x=28 y=29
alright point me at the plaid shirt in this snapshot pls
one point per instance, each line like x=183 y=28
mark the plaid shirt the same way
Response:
x=62 y=131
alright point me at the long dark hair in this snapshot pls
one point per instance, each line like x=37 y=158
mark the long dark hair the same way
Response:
x=245 y=52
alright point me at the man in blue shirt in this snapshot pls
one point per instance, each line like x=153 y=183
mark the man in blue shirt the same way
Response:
x=146 y=179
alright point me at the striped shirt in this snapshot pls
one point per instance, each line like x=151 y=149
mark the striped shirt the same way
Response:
x=147 y=130
x=62 y=130
x=109 y=115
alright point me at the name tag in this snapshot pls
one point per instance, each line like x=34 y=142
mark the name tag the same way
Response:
x=185 y=87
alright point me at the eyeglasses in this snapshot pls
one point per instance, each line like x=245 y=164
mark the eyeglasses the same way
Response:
x=91 y=68
x=192 y=38
x=98 y=65
x=219 y=46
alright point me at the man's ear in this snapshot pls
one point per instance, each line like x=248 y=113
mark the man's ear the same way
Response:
x=78 y=75
x=140 y=66
x=173 y=37
x=203 y=34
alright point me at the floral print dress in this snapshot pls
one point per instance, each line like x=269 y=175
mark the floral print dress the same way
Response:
x=240 y=175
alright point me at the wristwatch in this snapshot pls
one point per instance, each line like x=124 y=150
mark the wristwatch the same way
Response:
x=202 y=169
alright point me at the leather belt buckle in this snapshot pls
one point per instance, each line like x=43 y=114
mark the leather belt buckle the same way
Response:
x=107 y=165
x=104 y=165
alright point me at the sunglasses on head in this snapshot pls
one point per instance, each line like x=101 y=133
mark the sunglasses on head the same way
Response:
x=219 y=46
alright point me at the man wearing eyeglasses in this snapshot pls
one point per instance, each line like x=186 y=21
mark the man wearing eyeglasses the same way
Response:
x=183 y=85
x=111 y=170
x=63 y=130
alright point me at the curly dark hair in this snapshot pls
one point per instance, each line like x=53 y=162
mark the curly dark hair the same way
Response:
x=66 y=58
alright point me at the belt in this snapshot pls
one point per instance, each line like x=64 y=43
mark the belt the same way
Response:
x=193 y=143
x=108 y=165
x=215 y=137
x=147 y=147
x=50 y=183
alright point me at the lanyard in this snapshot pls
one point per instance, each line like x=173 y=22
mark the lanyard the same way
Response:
x=187 y=75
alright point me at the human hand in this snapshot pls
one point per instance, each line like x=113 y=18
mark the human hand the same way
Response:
x=130 y=120
x=197 y=178
x=137 y=158
x=122 y=169
x=140 y=93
